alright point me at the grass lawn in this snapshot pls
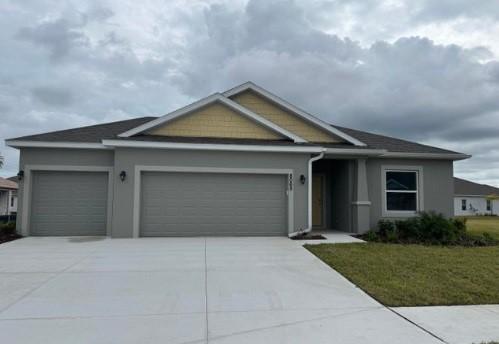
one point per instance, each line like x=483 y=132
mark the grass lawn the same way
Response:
x=417 y=275
x=480 y=224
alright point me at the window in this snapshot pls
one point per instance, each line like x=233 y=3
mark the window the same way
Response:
x=463 y=204
x=489 y=205
x=12 y=201
x=401 y=189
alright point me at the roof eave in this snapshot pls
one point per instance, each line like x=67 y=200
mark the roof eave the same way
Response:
x=212 y=146
x=45 y=144
x=437 y=156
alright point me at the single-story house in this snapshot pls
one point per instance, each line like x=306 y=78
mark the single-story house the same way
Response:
x=8 y=197
x=475 y=199
x=242 y=162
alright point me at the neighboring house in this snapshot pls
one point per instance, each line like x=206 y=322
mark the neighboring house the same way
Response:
x=8 y=197
x=475 y=199
x=241 y=162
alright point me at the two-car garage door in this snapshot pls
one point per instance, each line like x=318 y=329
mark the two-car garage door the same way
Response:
x=188 y=204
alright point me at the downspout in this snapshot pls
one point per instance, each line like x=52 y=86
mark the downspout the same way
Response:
x=309 y=211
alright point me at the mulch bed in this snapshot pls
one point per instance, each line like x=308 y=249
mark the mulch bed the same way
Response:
x=9 y=237
x=308 y=237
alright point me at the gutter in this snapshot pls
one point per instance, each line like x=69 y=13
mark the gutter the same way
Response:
x=438 y=156
x=309 y=227
x=46 y=144
x=212 y=146
x=363 y=152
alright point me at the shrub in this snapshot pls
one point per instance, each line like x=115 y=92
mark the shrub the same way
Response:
x=8 y=228
x=371 y=235
x=428 y=228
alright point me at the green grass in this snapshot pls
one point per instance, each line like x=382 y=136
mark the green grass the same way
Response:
x=481 y=224
x=417 y=275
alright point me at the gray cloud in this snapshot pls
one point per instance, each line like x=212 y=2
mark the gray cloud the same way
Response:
x=52 y=95
x=59 y=37
x=108 y=62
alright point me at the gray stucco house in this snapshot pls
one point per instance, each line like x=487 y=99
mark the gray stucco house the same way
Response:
x=241 y=162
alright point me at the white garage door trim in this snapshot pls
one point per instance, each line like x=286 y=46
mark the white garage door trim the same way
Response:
x=27 y=186
x=144 y=168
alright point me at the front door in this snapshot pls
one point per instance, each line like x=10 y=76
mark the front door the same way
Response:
x=318 y=200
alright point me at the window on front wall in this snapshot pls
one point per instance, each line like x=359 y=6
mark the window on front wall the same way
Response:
x=12 y=201
x=463 y=204
x=401 y=188
x=489 y=205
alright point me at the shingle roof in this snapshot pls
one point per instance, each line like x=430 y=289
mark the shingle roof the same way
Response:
x=97 y=133
x=90 y=134
x=15 y=179
x=392 y=144
x=7 y=184
x=465 y=187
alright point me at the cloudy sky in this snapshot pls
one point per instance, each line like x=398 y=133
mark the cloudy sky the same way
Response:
x=422 y=70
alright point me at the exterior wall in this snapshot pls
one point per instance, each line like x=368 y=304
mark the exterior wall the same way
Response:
x=58 y=157
x=127 y=158
x=438 y=185
x=478 y=206
x=216 y=120
x=282 y=118
x=437 y=191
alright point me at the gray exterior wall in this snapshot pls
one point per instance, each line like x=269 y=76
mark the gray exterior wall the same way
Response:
x=58 y=157
x=438 y=188
x=438 y=185
x=127 y=158
x=340 y=179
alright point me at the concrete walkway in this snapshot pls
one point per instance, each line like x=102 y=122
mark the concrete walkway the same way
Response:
x=184 y=290
x=457 y=324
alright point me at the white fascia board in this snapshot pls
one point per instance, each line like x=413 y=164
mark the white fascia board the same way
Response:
x=217 y=97
x=207 y=146
x=318 y=122
x=441 y=156
x=44 y=144
x=364 y=152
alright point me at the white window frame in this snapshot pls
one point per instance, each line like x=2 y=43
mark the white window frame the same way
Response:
x=419 y=190
x=465 y=203
x=488 y=205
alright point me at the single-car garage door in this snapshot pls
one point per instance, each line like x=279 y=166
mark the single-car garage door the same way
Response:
x=69 y=203
x=189 y=204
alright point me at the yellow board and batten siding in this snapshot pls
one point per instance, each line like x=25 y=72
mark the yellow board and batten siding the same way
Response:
x=282 y=118
x=216 y=120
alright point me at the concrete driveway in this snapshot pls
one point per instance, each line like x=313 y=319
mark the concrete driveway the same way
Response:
x=184 y=290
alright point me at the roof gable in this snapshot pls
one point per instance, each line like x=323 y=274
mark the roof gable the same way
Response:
x=215 y=120
x=284 y=118
x=213 y=99
x=278 y=106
